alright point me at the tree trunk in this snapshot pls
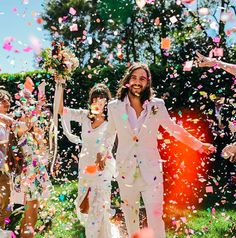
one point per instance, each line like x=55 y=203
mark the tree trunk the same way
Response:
x=222 y=29
x=133 y=39
x=163 y=33
x=127 y=46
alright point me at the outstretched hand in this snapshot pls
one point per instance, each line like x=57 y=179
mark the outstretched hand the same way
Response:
x=204 y=61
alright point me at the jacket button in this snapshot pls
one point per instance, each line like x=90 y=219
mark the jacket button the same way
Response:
x=135 y=156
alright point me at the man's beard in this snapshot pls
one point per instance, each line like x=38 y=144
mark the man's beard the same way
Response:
x=133 y=93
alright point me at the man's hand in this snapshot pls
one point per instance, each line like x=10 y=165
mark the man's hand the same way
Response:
x=100 y=162
x=204 y=61
x=207 y=148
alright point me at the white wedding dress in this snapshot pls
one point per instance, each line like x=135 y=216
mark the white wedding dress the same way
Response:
x=97 y=224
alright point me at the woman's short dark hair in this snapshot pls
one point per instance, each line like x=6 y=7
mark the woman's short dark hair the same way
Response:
x=100 y=90
x=123 y=89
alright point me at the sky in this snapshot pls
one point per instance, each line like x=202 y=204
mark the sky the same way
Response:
x=21 y=33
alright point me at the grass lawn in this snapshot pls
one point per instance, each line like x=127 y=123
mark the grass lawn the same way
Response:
x=58 y=219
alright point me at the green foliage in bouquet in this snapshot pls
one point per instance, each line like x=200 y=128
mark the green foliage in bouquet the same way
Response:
x=59 y=60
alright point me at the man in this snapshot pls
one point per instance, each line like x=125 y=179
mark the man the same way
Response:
x=135 y=117
x=4 y=177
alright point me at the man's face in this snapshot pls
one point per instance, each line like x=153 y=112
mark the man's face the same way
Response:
x=138 y=82
x=4 y=104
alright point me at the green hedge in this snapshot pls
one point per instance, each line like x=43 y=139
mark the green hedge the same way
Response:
x=184 y=90
x=184 y=87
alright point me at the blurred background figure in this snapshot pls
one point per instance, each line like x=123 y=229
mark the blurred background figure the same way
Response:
x=223 y=125
x=4 y=170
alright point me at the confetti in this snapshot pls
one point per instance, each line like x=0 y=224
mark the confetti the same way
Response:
x=40 y=20
x=29 y=84
x=91 y=169
x=27 y=49
x=74 y=27
x=209 y=189
x=165 y=43
x=141 y=3
x=188 y=66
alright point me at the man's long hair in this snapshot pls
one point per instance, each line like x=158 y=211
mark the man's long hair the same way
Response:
x=123 y=90
x=100 y=90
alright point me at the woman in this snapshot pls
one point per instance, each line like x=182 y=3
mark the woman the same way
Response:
x=94 y=175
x=4 y=171
x=33 y=183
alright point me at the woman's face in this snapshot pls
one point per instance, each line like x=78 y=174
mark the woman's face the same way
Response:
x=98 y=105
x=4 y=104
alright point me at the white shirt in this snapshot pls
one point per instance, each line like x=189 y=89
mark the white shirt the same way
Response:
x=135 y=122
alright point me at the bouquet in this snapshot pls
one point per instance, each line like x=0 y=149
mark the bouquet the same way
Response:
x=61 y=62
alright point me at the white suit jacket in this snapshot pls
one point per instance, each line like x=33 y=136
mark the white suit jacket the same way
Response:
x=142 y=150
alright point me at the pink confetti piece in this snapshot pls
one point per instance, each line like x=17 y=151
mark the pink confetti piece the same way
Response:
x=188 y=66
x=213 y=211
x=7 y=220
x=7 y=43
x=218 y=52
x=216 y=39
x=209 y=189
x=35 y=44
x=27 y=49
x=183 y=219
x=200 y=200
x=7 y=46
x=74 y=27
x=188 y=1
x=72 y=11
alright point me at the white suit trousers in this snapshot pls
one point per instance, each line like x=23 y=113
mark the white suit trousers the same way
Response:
x=153 y=201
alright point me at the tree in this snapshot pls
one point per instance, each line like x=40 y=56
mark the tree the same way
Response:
x=118 y=32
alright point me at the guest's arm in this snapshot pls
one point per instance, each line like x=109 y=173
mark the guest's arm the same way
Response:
x=212 y=62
